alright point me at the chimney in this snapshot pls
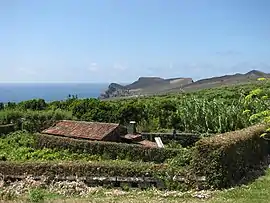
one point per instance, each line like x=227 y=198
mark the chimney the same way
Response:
x=133 y=127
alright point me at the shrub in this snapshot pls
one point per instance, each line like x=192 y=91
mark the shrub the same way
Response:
x=64 y=169
x=179 y=161
x=19 y=146
x=5 y=129
x=227 y=158
x=34 y=104
x=34 y=121
x=36 y=195
x=110 y=150
x=257 y=103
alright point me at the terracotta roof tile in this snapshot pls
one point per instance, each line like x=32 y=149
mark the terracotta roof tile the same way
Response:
x=147 y=143
x=81 y=129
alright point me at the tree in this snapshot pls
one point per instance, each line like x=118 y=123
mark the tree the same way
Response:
x=2 y=106
x=11 y=105
x=34 y=104
x=131 y=112
x=81 y=107
x=166 y=109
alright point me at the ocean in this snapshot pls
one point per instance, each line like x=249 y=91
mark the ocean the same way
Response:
x=16 y=92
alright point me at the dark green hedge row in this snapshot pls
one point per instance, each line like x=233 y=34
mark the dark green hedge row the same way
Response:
x=5 y=129
x=227 y=158
x=51 y=169
x=110 y=150
x=33 y=121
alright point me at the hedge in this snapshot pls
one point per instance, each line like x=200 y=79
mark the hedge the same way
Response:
x=228 y=158
x=5 y=129
x=110 y=150
x=33 y=121
x=51 y=169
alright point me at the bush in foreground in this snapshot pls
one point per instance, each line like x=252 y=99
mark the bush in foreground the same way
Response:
x=227 y=158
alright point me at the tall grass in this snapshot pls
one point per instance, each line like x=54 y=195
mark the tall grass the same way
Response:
x=200 y=115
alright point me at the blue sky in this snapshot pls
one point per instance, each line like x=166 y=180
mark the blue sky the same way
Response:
x=121 y=40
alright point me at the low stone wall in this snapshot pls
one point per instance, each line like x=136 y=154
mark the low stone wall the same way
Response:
x=140 y=175
x=113 y=181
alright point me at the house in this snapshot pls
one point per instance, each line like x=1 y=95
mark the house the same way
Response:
x=87 y=130
x=96 y=131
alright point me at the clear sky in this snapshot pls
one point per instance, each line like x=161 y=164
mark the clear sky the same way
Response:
x=121 y=40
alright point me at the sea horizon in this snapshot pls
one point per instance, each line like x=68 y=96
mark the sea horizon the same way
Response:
x=17 y=92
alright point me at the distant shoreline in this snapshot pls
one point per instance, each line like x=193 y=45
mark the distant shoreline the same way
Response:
x=17 y=92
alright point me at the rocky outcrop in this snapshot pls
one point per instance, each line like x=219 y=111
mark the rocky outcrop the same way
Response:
x=156 y=85
x=114 y=90
x=144 y=86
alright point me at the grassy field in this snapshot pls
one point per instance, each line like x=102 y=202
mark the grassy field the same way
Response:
x=258 y=191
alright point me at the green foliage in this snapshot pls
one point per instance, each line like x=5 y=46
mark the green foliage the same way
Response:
x=34 y=104
x=181 y=159
x=108 y=150
x=261 y=116
x=228 y=158
x=87 y=169
x=125 y=187
x=33 y=121
x=162 y=113
x=11 y=105
x=2 y=106
x=257 y=104
x=5 y=129
x=3 y=157
x=131 y=111
x=224 y=159
x=214 y=110
x=20 y=146
x=36 y=195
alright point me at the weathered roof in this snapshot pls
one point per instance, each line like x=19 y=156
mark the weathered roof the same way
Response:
x=81 y=129
x=147 y=143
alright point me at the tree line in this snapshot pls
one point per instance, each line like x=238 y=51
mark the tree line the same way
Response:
x=214 y=111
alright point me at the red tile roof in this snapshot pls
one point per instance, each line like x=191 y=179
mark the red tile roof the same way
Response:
x=81 y=129
x=147 y=143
